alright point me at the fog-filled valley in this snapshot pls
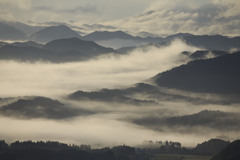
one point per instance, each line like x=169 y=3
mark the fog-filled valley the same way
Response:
x=81 y=102
x=159 y=84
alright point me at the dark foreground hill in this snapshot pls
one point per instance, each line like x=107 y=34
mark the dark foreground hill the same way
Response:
x=29 y=150
x=217 y=75
x=231 y=152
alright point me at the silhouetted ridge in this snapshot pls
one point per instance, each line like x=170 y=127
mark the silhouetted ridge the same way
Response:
x=213 y=42
x=62 y=50
x=212 y=120
x=106 y=35
x=39 y=107
x=230 y=152
x=216 y=75
x=27 y=44
x=107 y=95
x=211 y=147
x=10 y=33
x=52 y=33
x=204 y=54
x=76 y=44
x=49 y=150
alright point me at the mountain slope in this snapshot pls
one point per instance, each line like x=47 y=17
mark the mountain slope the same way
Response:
x=53 y=33
x=27 y=29
x=27 y=44
x=75 y=44
x=63 y=50
x=39 y=107
x=211 y=147
x=217 y=75
x=231 y=152
x=106 y=35
x=214 y=42
x=119 y=39
x=9 y=33
x=106 y=95
x=216 y=120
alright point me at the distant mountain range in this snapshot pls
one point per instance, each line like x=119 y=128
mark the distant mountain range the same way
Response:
x=215 y=42
x=62 y=50
x=27 y=29
x=114 y=39
x=119 y=39
x=52 y=33
x=10 y=33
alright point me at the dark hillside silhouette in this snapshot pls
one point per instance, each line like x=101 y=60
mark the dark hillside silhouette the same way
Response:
x=40 y=150
x=63 y=50
x=40 y=107
x=230 y=152
x=217 y=75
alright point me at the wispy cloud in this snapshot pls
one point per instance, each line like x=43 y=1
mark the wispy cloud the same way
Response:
x=205 y=17
x=46 y=79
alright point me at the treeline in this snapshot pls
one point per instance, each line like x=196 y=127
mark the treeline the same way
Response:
x=208 y=148
x=40 y=150
x=49 y=150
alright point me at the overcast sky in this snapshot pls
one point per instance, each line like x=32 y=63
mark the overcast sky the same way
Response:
x=156 y=16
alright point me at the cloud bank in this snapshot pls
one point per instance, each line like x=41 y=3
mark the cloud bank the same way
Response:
x=111 y=71
x=159 y=17
x=197 y=17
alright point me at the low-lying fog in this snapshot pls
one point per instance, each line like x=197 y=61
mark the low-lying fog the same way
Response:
x=47 y=79
x=104 y=124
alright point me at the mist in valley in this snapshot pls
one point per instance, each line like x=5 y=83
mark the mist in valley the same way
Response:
x=92 y=121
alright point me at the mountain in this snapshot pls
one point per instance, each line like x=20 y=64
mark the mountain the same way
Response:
x=218 y=75
x=147 y=94
x=39 y=107
x=177 y=36
x=213 y=42
x=205 y=42
x=146 y=34
x=211 y=119
x=106 y=95
x=27 y=44
x=63 y=50
x=76 y=44
x=119 y=39
x=106 y=35
x=216 y=120
x=27 y=29
x=204 y=54
x=52 y=33
x=211 y=147
x=28 y=53
x=230 y=152
x=9 y=33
